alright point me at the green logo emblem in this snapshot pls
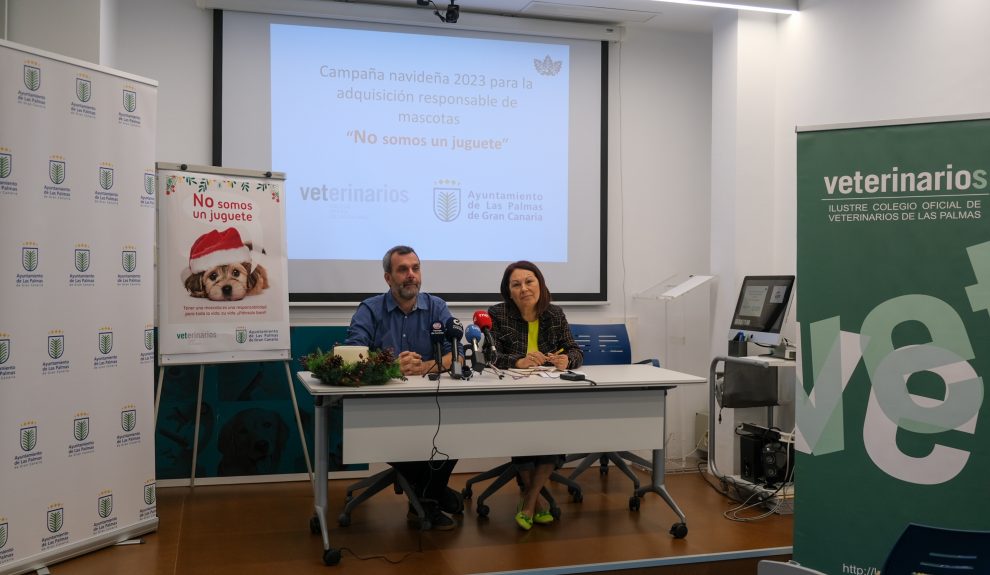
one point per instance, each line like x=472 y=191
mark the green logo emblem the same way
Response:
x=446 y=203
x=240 y=335
x=3 y=535
x=128 y=259
x=128 y=419
x=56 y=346
x=4 y=350
x=82 y=259
x=29 y=259
x=149 y=339
x=104 y=506
x=149 y=184
x=106 y=342
x=130 y=100
x=56 y=171
x=55 y=519
x=5 y=164
x=149 y=494
x=32 y=77
x=84 y=89
x=29 y=437
x=106 y=178
x=80 y=428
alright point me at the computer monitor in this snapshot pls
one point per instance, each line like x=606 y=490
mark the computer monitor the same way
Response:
x=761 y=309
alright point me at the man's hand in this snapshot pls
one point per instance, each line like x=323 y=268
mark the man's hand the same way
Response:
x=411 y=363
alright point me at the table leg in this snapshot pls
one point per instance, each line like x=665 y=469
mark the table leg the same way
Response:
x=331 y=556
x=657 y=485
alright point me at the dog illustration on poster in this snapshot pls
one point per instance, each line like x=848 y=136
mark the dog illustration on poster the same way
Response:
x=221 y=268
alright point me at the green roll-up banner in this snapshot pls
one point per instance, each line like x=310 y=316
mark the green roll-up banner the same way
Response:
x=893 y=272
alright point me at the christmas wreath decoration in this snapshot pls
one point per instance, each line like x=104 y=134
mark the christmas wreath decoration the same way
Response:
x=375 y=369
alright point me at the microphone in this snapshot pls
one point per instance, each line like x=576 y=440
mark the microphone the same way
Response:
x=454 y=331
x=484 y=321
x=473 y=334
x=437 y=336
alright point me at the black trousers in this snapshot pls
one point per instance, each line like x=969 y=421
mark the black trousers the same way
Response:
x=427 y=478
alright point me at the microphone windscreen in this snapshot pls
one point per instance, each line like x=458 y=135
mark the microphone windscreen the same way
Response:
x=482 y=319
x=454 y=329
x=472 y=333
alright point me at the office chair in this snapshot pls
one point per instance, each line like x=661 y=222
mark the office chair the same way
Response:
x=503 y=474
x=938 y=551
x=606 y=344
x=374 y=484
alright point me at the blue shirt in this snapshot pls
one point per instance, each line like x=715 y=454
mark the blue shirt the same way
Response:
x=380 y=323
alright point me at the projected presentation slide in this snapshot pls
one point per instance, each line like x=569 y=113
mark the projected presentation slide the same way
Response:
x=456 y=137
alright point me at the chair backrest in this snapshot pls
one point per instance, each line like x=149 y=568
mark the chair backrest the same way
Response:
x=603 y=344
x=939 y=551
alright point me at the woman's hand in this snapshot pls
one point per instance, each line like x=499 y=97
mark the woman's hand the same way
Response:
x=559 y=361
x=532 y=359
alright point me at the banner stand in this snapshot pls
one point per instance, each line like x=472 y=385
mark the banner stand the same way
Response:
x=199 y=405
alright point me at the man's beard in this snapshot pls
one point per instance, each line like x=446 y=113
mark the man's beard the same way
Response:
x=408 y=291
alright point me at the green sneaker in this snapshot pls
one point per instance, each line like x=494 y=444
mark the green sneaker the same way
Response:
x=543 y=517
x=525 y=522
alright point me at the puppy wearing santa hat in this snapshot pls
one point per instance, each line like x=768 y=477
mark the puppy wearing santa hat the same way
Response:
x=221 y=268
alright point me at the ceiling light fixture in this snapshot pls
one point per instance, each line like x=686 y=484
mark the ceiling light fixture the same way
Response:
x=737 y=6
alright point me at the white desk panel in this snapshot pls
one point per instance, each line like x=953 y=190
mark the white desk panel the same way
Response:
x=477 y=425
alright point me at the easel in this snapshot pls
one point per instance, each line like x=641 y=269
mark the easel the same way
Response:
x=199 y=406
x=179 y=236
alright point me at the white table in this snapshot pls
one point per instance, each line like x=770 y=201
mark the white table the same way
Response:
x=485 y=416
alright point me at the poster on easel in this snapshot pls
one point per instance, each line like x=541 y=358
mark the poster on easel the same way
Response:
x=223 y=289
x=893 y=286
x=77 y=268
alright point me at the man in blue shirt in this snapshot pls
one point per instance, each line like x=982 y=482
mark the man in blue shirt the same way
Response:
x=401 y=319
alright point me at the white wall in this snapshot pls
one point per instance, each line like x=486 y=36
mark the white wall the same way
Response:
x=69 y=28
x=172 y=41
x=854 y=61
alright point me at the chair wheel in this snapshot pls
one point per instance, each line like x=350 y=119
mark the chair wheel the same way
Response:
x=482 y=510
x=571 y=491
x=678 y=530
x=314 y=525
x=331 y=556
x=634 y=503
x=603 y=470
x=466 y=493
x=555 y=511
x=344 y=520
x=577 y=497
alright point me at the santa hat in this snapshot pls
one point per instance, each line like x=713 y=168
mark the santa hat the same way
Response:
x=217 y=248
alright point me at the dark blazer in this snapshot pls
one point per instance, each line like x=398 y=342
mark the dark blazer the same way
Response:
x=511 y=333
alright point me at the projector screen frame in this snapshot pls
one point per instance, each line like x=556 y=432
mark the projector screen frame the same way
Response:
x=598 y=295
